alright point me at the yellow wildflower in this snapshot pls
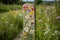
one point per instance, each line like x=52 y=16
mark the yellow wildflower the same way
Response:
x=2 y=18
x=10 y=10
x=15 y=15
x=32 y=12
x=24 y=33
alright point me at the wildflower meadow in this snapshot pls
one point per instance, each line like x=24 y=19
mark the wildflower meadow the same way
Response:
x=29 y=20
x=11 y=23
x=47 y=25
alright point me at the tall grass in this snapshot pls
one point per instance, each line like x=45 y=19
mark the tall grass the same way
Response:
x=11 y=24
x=46 y=28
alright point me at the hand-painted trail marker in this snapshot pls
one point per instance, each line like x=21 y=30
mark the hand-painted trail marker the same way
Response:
x=28 y=22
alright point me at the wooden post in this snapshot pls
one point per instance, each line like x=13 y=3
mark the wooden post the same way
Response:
x=28 y=22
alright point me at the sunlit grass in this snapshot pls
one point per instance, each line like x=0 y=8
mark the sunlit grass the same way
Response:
x=11 y=23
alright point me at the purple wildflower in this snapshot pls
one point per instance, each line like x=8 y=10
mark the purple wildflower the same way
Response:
x=58 y=17
x=40 y=20
x=28 y=10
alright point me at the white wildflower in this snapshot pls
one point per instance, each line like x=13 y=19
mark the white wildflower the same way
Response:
x=6 y=22
x=20 y=14
x=11 y=24
x=56 y=31
x=32 y=21
x=46 y=25
x=27 y=17
x=48 y=8
x=31 y=31
x=26 y=29
x=47 y=31
x=53 y=7
x=53 y=34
